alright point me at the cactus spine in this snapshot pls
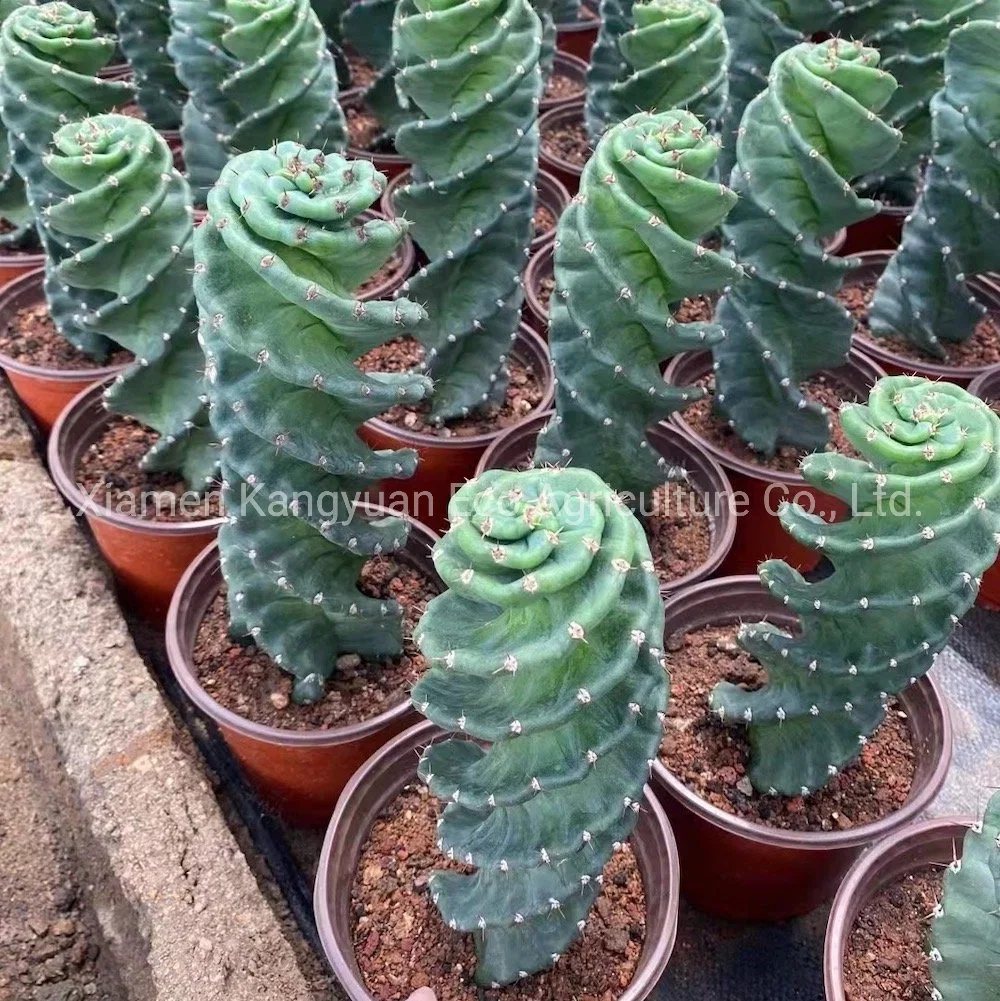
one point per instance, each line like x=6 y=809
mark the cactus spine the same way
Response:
x=547 y=645
x=800 y=144
x=472 y=69
x=626 y=250
x=276 y=263
x=907 y=568
x=950 y=236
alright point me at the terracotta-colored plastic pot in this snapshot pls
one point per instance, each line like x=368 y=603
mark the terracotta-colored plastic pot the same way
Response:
x=446 y=463
x=933 y=843
x=873 y=263
x=43 y=391
x=705 y=476
x=578 y=37
x=14 y=263
x=760 y=491
x=568 y=173
x=300 y=773
x=390 y=164
x=147 y=558
x=881 y=232
x=116 y=71
x=987 y=387
x=575 y=69
x=382 y=778
x=735 y=869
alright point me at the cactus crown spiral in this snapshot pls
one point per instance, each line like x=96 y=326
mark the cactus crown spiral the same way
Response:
x=546 y=645
x=926 y=503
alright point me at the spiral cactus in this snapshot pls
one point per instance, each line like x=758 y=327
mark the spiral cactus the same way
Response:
x=367 y=26
x=546 y=646
x=14 y=208
x=275 y=263
x=800 y=144
x=103 y=11
x=924 y=294
x=627 y=249
x=654 y=56
x=926 y=500
x=965 y=953
x=472 y=69
x=257 y=71
x=51 y=55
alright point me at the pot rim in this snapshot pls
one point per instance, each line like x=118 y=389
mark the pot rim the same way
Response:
x=10 y=259
x=569 y=65
x=986 y=385
x=198 y=579
x=354 y=98
x=920 y=799
x=557 y=115
x=663 y=939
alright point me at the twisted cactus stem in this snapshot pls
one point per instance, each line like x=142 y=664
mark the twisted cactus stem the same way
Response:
x=472 y=70
x=627 y=251
x=801 y=142
x=257 y=70
x=965 y=950
x=655 y=56
x=14 y=208
x=276 y=263
x=907 y=567
x=130 y=217
x=547 y=646
x=51 y=55
x=103 y=11
x=924 y=294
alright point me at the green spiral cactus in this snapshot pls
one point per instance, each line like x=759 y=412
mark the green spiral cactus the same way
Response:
x=547 y=646
x=626 y=250
x=51 y=55
x=257 y=71
x=924 y=294
x=965 y=953
x=130 y=217
x=657 y=55
x=367 y=26
x=472 y=69
x=800 y=144
x=14 y=208
x=276 y=263
x=103 y=11
x=926 y=503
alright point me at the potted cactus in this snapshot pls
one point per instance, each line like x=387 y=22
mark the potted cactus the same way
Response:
x=307 y=672
x=831 y=736
x=546 y=669
x=51 y=55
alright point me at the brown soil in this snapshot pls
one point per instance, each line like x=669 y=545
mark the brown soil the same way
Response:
x=246 y=681
x=31 y=337
x=131 y=110
x=562 y=87
x=546 y=286
x=403 y=944
x=109 y=472
x=524 y=393
x=364 y=130
x=887 y=952
x=567 y=140
x=696 y=309
x=544 y=221
x=679 y=531
x=823 y=389
x=363 y=74
x=981 y=349
x=713 y=759
x=388 y=272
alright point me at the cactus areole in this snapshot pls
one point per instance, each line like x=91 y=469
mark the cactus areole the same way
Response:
x=547 y=645
x=907 y=567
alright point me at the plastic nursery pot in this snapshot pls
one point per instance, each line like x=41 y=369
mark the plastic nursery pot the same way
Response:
x=759 y=490
x=872 y=265
x=568 y=173
x=147 y=558
x=116 y=71
x=573 y=68
x=578 y=37
x=446 y=463
x=382 y=778
x=14 y=264
x=934 y=843
x=390 y=164
x=987 y=387
x=43 y=391
x=881 y=232
x=736 y=869
x=515 y=447
x=536 y=312
x=300 y=773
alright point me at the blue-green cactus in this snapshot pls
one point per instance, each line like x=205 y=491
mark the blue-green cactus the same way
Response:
x=472 y=70
x=367 y=26
x=801 y=142
x=276 y=264
x=103 y=11
x=926 y=504
x=548 y=647
x=951 y=235
x=14 y=208
x=627 y=251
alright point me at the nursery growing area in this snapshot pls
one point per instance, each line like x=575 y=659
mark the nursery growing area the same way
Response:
x=547 y=458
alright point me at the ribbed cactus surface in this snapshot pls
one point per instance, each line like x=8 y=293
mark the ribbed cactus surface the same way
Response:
x=965 y=951
x=926 y=503
x=472 y=70
x=276 y=265
x=14 y=208
x=626 y=252
x=951 y=236
x=656 y=56
x=51 y=55
x=367 y=27
x=801 y=142
x=546 y=646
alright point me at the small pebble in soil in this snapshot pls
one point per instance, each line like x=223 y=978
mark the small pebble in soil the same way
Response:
x=567 y=140
x=561 y=87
